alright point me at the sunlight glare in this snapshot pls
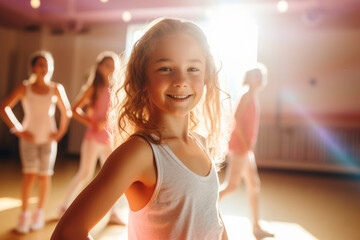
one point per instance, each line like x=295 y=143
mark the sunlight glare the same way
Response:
x=335 y=146
x=238 y=227
x=8 y=202
x=233 y=37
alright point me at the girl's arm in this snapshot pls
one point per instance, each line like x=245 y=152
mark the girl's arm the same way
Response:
x=7 y=105
x=77 y=109
x=65 y=111
x=130 y=168
x=9 y=117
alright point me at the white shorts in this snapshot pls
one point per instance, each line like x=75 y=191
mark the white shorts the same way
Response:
x=38 y=158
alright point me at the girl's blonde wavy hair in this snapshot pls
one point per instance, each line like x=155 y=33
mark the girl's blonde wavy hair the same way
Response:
x=129 y=111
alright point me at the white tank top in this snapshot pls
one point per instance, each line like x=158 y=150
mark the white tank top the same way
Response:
x=39 y=111
x=184 y=205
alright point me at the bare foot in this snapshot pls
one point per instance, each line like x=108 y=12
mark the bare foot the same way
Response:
x=261 y=234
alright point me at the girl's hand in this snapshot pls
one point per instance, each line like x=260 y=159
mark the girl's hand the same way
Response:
x=247 y=148
x=55 y=136
x=101 y=125
x=25 y=135
x=98 y=126
x=244 y=151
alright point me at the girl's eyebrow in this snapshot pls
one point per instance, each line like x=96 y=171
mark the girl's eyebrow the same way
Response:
x=168 y=59
x=195 y=60
x=162 y=60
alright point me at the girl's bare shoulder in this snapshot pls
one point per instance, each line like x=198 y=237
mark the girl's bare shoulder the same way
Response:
x=246 y=96
x=59 y=88
x=19 y=91
x=245 y=99
x=138 y=143
x=135 y=153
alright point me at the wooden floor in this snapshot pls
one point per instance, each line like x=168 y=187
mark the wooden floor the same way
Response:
x=303 y=206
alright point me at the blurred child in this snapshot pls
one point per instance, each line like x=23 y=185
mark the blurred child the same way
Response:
x=242 y=143
x=37 y=133
x=90 y=108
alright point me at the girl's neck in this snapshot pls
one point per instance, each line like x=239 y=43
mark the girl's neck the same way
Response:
x=40 y=81
x=253 y=91
x=175 y=132
x=172 y=127
x=40 y=86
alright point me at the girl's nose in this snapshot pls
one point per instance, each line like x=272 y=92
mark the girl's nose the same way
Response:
x=180 y=80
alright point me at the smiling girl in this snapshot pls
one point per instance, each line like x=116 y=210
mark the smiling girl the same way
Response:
x=164 y=168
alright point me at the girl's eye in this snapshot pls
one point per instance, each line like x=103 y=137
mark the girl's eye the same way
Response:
x=164 y=69
x=193 y=69
x=41 y=65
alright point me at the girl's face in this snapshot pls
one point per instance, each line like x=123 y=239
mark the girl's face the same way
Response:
x=256 y=80
x=175 y=75
x=106 y=67
x=40 y=68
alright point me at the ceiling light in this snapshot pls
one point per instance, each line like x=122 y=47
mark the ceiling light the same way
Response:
x=104 y=1
x=35 y=3
x=282 y=6
x=126 y=16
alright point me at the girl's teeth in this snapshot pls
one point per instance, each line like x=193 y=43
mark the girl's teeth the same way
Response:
x=178 y=97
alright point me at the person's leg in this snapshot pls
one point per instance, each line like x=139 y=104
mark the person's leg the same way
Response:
x=48 y=153
x=26 y=188
x=44 y=189
x=47 y=156
x=38 y=220
x=28 y=154
x=252 y=180
x=88 y=160
x=232 y=175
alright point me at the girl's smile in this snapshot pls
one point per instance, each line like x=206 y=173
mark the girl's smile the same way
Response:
x=179 y=97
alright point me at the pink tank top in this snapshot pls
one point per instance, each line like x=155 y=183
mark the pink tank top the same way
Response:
x=39 y=111
x=249 y=120
x=100 y=110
